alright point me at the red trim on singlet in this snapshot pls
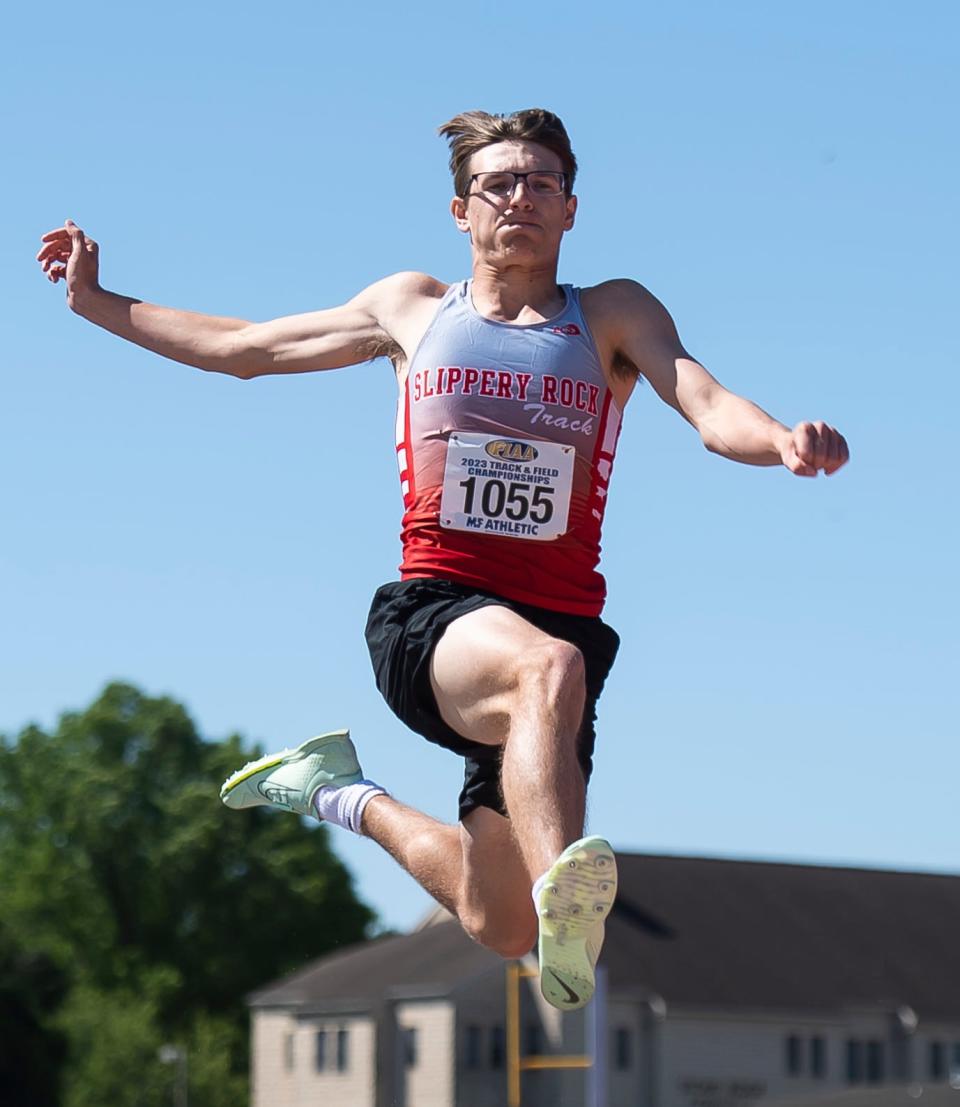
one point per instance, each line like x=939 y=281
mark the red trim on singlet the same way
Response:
x=602 y=429
x=403 y=446
x=597 y=503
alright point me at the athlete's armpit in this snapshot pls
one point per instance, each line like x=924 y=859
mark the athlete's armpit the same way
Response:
x=619 y=315
x=636 y=333
x=364 y=328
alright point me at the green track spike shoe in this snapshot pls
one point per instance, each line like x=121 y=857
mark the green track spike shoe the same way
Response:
x=290 y=778
x=576 y=898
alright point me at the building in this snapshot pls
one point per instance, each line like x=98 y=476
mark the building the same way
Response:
x=730 y=984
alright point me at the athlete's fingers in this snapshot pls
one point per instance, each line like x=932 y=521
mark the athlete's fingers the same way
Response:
x=829 y=439
x=56 y=247
x=800 y=442
x=822 y=443
x=796 y=464
x=76 y=235
x=792 y=454
x=839 y=453
x=47 y=257
x=822 y=446
x=65 y=246
x=844 y=451
x=62 y=240
x=816 y=443
x=55 y=250
x=61 y=253
x=81 y=241
x=803 y=443
x=819 y=445
x=815 y=446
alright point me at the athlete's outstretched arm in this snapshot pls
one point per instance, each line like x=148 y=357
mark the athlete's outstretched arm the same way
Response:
x=645 y=336
x=296 y=344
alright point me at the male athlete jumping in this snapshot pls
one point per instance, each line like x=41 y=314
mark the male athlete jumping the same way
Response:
x=511 y=391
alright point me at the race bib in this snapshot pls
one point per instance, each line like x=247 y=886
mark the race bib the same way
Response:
x=506 y=486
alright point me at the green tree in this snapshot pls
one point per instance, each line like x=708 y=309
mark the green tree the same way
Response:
x=31 y=988
x=159 y=908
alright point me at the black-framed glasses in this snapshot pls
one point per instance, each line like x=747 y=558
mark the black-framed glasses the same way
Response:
x=502 y=185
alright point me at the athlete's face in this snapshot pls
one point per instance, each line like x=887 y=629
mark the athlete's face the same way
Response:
x=525 y=223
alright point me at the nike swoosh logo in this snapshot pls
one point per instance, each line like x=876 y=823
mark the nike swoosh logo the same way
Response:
x=275 y=793
x=572 y=996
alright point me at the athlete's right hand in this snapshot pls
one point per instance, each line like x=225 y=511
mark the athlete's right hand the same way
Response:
x=68 y=254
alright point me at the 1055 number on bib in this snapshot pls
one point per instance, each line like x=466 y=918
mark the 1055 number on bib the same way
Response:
x=509 y=487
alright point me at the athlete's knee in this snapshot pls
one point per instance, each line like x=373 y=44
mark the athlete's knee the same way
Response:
x=515 y=945
x=510 y=938
x=553 y=674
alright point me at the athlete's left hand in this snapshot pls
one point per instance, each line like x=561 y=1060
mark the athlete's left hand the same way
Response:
x=811 y=447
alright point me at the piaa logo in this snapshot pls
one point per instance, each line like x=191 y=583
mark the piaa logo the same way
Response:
x=570 y=329
x=506 y=450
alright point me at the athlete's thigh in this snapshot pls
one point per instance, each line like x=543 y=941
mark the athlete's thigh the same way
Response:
x=473 y=670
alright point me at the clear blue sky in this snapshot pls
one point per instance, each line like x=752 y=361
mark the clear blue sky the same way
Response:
x=783 y=177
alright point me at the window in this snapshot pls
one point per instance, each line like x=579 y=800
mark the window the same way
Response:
x=875 y=1064
x=409 y=1046
x=622 y=1048
x=818 y=1058
x=794 y=1055
x=854 y=1062
x=532 y=1040
x=320 y=1050
x=938 y=1067
x=955 y=1061
x=497 y=1047
x=473 y=1047
x=288 y=1056
x=343 y=1050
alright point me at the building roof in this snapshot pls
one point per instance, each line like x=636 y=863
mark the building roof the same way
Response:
x=762 y=935
x=708 y=934
x=428 y=962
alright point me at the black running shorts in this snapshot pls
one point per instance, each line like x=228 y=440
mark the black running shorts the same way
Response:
x=407 y=619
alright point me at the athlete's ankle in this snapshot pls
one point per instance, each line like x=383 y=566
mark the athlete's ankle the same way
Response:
x=370 y=808
x=345 y=806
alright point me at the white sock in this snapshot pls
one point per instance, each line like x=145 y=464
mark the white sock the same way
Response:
x=537 y=889
x=344 y=806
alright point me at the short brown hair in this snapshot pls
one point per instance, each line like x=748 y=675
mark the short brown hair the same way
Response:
x=472 y=130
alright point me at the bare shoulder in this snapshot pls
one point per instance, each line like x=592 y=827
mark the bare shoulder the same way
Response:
x=403 y=305
x=620 y=302
x=400 y=291
x=633 y=330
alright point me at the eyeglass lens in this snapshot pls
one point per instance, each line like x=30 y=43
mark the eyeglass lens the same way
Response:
x=540 y=183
